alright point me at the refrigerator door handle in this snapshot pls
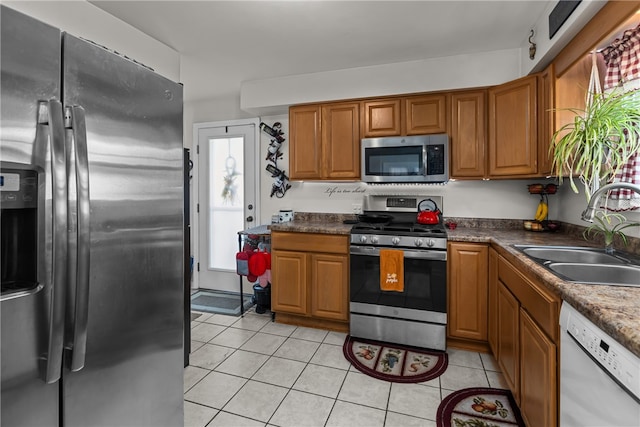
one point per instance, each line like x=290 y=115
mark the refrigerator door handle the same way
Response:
x=79 y=132
x=54 y=116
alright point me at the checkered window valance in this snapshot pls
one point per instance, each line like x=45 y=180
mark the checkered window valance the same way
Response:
x=622 y=59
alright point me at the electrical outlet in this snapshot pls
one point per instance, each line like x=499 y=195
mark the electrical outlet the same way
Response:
x=357 y=208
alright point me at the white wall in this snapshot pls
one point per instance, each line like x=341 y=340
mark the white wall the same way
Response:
x=572 y=205
x=211 y=110
x=273 y=96
x=503 y=199
x=476 y=199
x=83 y=19
x=485 y=199
x=547 y=49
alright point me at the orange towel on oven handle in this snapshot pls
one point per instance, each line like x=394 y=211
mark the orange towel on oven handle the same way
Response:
x=391 y=270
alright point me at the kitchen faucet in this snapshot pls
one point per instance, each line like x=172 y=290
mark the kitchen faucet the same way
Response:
x=588 y=213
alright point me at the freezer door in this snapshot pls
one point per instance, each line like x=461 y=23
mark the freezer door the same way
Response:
x=133 y=364
x=30 y=70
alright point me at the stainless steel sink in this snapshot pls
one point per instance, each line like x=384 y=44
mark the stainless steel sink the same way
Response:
x=608 y=274
x=571 y=254
x=586 y=265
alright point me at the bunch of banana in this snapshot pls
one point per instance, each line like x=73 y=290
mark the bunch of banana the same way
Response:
x=541 y=212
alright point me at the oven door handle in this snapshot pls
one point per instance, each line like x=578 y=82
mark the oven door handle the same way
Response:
x=416 y=254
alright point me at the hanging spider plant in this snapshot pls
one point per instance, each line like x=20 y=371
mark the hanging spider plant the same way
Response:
x=600 y=140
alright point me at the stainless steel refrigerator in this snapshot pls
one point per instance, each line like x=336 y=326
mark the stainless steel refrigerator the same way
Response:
x=91 y=187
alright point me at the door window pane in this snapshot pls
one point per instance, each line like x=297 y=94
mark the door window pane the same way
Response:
x=226 y=200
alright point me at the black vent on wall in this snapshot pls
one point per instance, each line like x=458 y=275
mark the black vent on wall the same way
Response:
x=560 y=13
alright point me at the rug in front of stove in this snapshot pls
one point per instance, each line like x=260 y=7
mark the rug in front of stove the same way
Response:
x=479 y=407
x=394 y=362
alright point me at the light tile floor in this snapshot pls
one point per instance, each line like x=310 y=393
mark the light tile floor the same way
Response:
x=249 y=371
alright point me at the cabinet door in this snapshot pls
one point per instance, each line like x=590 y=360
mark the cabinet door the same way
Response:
x=329 y=286
x=289 y=282
x=538 y=391
x=468 y=130
x=305 y=148
x=425 y=115
x=546 y=121
x=468 y=291
x=513 y=128
x=341 y=141
x=381 y=118
x=508 y=339
x=492 y=315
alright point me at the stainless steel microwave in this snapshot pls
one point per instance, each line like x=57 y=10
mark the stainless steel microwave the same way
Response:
x=405 y=159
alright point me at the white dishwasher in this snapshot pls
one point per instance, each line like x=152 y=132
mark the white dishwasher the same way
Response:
x=599 y=378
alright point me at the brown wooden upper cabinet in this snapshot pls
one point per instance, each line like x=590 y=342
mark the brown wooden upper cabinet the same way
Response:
x=325 y=141
x=413 y=115
x=425 y=114
x=513 y=128
x=546 y=119
x=305 y=150
x=381 y=118
x=468 y=134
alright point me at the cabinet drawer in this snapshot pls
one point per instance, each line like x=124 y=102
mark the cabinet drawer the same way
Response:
x=310 y=242
x=542 y=305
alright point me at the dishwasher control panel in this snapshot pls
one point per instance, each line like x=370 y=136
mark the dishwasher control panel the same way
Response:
x=616 y=360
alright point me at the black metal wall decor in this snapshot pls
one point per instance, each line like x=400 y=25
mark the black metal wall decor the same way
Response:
x=281 y=180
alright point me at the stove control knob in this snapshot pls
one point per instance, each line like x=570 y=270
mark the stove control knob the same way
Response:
x=395 y=241
x=418 y=242
x=363 y=239
x=431 y=242
x=374 y=239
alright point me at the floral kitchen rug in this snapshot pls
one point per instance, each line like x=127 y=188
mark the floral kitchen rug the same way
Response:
x=479 y=407
x=393 y=362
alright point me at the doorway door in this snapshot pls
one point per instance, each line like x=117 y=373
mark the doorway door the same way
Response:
x=227 y=198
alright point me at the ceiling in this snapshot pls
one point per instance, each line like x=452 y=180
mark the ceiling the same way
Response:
x=235 y=41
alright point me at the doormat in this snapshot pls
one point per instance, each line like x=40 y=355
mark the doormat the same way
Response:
x=219 y=302
x=393 y=362
x=479 y=407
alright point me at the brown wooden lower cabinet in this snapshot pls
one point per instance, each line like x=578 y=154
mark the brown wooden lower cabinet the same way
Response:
x=329 y=286
x=538 y=380
x=527 y=342
x=492 y=303
x=310 y=279
x=289 y=277
x=508 y=339
x=467 y=295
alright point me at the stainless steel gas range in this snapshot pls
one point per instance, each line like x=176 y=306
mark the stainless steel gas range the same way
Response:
x=415 y=312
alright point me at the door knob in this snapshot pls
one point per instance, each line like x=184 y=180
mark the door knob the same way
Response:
x=249 y=218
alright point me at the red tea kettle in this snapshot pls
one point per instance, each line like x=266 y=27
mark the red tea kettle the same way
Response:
x=428 y=212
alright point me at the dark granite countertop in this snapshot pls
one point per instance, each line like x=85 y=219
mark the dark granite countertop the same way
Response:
x=615 y=309
x=316 y=223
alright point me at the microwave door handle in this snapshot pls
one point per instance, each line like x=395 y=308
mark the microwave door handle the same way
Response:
x=51 y=112
x=424 y=160
x=79 y=133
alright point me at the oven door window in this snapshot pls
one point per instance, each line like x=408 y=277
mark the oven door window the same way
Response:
x=425 y=284
x=394 y=161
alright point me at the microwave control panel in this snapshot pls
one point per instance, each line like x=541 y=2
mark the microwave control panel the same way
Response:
x=435 y=159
